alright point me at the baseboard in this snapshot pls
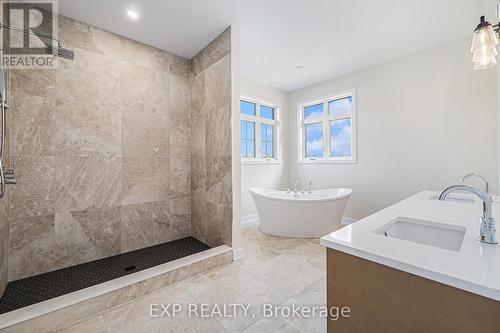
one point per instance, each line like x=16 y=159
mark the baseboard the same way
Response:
x=250 y=218
x=237 y=253
x=348 y=220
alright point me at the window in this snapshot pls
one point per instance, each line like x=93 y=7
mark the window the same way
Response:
x=247 y=139
x=327 y=129
x=259 y=128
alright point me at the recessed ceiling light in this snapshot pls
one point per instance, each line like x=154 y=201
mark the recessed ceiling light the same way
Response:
x=299 y=67
x=132 y=14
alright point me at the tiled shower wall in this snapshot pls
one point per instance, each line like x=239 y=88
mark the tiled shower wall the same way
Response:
x=211 y=143
x=4 y=218
x=102 y=153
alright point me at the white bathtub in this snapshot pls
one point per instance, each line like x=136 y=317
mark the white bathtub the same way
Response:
x=308 y=215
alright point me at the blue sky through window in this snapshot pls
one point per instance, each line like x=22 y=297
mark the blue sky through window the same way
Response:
x=314 y=140
x=312 y=111
x=340 y=105
x=247 y=141
x=266 y=141
x=340 y=138
x=266 y=112
x=247 y=108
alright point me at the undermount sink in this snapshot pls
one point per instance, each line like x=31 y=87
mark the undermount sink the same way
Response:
x=445 y=236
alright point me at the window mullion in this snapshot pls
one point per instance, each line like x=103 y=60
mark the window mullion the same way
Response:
x=257 y=139
x=339 y=116
x=248 y=118
x=267 y=121
x=325 y=130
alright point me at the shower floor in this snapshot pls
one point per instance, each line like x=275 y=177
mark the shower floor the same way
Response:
x=39 y=288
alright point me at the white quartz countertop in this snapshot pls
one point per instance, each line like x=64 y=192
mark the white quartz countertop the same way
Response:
x=474 y=268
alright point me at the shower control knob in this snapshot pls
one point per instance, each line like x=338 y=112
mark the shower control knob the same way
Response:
x=11 y=181
x=10 y=177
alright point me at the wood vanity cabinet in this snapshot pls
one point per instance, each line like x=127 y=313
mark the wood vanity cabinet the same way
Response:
x=384 y=299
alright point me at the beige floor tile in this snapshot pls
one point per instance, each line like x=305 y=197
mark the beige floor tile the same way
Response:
x=315 y=241
x=280 y=244
x=314 y=323
x=91 y=325
x=310 y=253
x=272 y=325
x=135 y=316
x=254 y=255
x=315 y=294
x=250 y=233
x=233 y=285
x=286 y=274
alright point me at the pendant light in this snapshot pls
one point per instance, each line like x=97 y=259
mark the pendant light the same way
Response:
x=484 y=44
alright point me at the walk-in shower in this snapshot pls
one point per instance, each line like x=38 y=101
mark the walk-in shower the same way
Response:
x=123 y=175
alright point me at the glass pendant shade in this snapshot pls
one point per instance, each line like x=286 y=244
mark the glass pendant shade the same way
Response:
x=483 y=47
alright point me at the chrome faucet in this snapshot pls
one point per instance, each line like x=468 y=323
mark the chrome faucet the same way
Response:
x=487 y=182
x=296 y=187
x=487 y=231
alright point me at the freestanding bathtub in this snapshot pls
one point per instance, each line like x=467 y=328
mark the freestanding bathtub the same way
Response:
x=305 y=215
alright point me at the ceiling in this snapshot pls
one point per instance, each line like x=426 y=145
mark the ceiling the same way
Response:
x=328 y=38
x=183 y=27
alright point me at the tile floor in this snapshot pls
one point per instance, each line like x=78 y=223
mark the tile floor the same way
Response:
x=277 y=271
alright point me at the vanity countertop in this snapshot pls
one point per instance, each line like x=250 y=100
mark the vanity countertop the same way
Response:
x=474 y=268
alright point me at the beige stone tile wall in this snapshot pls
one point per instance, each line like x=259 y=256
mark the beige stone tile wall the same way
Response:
x=211 y=182
x=102 y=152
x=4 y=213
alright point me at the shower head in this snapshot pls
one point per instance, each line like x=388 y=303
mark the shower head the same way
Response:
x=61 y=52
x=57 y=51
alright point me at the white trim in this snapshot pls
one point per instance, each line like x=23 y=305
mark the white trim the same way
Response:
x=329 y=161
x=325 y=120
x=238 y=254
x=250 y=218
x=235 y=135
x=259 y=162
x=348 y=220
x=54 y=304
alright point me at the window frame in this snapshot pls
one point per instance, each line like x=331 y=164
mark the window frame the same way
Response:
x=258 y=121
x=325 y=119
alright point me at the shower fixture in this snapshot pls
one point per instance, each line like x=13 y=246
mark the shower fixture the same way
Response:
x=55 y=47
x=6 y=176
x=59 y=50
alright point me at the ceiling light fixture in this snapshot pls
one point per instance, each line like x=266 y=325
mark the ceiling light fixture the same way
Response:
x=484 y=45
x=132 y=14
x=299 y=67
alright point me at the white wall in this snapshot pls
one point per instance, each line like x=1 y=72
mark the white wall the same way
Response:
x=498 y=128
x=424 y=121
x=270 y=176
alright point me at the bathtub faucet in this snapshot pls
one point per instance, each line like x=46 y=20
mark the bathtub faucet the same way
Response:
x=296 y=187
